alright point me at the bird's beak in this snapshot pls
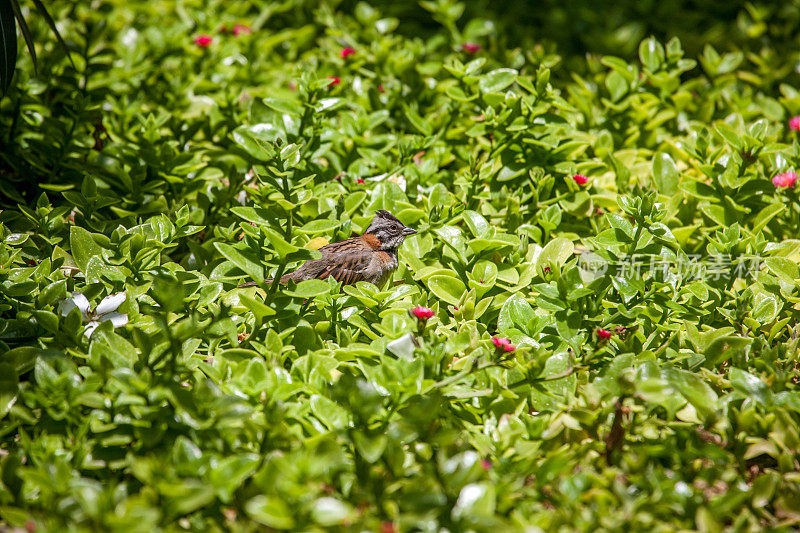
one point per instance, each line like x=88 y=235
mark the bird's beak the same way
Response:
x=409 y=231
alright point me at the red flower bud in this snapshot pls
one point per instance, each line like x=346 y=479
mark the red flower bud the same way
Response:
x=785 y=180
x=241 y=29
x=503 y=344
x=471 y=48
x=603 y=334
x=422 y=313
x=335 y=80
x=580 y=179
x=345 y=52
x=203 y=41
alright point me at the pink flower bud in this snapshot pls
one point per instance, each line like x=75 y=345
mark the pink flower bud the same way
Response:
x=335 y=80
x=203 y=41
x=422 y=313
x=580 y=179
x=241 y=29
x=345 y=52
x=785 y=180
x=603 y=334
x=471 y=48
x=486 y=464
x=794 y=123
x=503 y=344
x=360 y=181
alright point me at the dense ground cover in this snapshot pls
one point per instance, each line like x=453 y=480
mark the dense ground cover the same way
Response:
x=624 y=212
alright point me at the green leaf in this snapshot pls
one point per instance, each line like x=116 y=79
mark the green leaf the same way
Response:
x=8 y=45
x=548 y=394
x=258 y=308
x=783 y=268
x=554 y=254
x=23 y=358
x=26 y=33
x=186 y=497
x=515 y=314
x=651 y=54
x=329 y=511
x=419 y=123
x=730 y=135
x=456 y=93
x=694 y=389
x=723 y=347
x=616 y=85
x=259 y=217
x=447 y=288
x=763 y=217
x=283 y=105
x=119 y=351
x=475 y=500
x=750 y=386
x=9 y=388
x=370 y=446
x=497 y=80
x=665 y=174
x=279 y=244
x=231 y=472
x=270 y=511
x=330 y=413
x=83 y=247
x=319 y=226
x=256 y=145
x=309 y=289
x=476 y=222
x=245 y=260
x=52 y=23
x=168 y=292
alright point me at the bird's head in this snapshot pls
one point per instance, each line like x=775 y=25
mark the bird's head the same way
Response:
x=390 y=232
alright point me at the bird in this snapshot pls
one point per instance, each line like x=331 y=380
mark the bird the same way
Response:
x=370 y=257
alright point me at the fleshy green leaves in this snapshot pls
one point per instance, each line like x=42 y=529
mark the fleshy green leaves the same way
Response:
x=665 y=174
x=651 y=54
x=270 y=511
x=596 y=323
x=750 y=386
x=695 y=390
x=83 y=247
x=244 y=259
x=497 y=80
x=554 y=254
x=515 y=314
x=447 y=288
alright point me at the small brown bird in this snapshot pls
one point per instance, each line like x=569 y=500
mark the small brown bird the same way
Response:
x=370 y=257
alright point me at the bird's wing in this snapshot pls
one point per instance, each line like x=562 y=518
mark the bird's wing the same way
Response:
x=347 y=267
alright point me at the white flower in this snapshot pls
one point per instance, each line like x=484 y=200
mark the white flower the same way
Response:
x=105 y=310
